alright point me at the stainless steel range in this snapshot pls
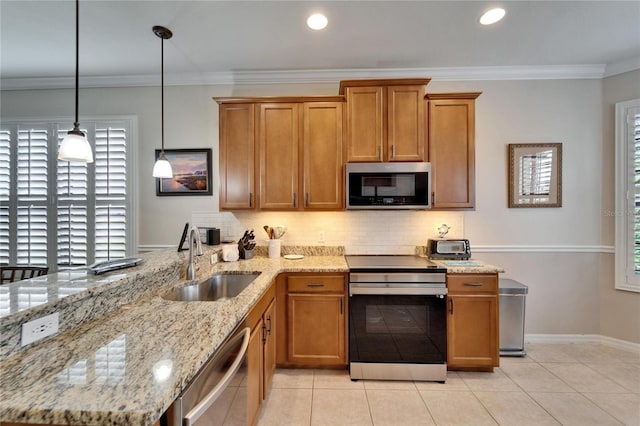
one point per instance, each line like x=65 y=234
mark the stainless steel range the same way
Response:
x=397 y=318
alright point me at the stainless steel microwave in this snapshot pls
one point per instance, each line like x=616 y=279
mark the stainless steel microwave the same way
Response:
x=374 y=186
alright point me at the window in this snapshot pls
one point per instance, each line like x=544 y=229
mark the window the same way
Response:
x=627 y=214
x=63 y=214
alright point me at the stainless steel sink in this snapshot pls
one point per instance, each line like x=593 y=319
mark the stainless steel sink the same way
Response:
x=218 y=287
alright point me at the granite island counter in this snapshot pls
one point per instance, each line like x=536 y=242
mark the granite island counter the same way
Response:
x=128 y=365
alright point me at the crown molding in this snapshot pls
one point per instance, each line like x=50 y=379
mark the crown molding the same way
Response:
x=333 y=76
x=620 y=67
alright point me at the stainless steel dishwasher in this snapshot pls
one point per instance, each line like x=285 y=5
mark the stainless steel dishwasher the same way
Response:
x=214 y=396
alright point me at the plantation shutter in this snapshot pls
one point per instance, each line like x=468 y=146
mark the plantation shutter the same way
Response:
x=72 y=188
x=60 y=214
x=5 y=186
x=636 y=185
x=111 y=193
x=32 y=184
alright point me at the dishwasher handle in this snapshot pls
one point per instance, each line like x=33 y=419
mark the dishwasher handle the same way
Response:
x=196 y=412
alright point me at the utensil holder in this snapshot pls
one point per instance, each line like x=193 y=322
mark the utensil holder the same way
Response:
x=274 y=247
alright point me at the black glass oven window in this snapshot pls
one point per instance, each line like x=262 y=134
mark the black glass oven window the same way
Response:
x=368 y=189
x=397 y=329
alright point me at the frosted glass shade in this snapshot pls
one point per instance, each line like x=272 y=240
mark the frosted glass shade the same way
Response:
x=162 y=168
x=75 y=148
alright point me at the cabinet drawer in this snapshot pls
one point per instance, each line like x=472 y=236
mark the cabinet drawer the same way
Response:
x=472 y=283
x=316 y=284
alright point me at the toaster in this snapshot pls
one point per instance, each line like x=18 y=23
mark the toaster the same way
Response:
x=449 y=249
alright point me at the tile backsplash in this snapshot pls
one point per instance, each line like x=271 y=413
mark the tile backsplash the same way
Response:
x=360 y=232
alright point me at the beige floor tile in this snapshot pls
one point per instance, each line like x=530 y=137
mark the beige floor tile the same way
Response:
x=514 y=408
x=453 y=382
x=624 y=407
x=549 y=352
x=624 y=374
x=515 y=359
x=335 y=379
x=389 y=384
x=287 y=407
x=591 y=352
x=456 y=408
x=496 y=381
x=292 y=379
x=340 y=407
x=398 y=408
x=583 y=379
x=535 y=378
x=573 y=409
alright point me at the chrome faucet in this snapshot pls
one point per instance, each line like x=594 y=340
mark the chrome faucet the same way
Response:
x=194 y=238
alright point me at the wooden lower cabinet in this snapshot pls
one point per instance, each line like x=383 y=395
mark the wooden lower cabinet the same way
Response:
x=472 y=322
x=312 y=321
x=261 y=353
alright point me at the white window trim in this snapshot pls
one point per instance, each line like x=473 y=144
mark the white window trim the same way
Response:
x=625 y=279
x=132 y=162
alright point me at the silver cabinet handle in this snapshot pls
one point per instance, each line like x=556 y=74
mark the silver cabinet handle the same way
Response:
x=251 y=199
x=433 y=198
x=315 y=285
x=206 y=402
x=473 y=284
x=393 y=152
x=380 y=152
x=306 y=199
x=451 y=306
x=341 y=306
x=294 y=199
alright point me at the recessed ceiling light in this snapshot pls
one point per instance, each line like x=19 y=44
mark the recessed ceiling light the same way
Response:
x=317 y=21
x=492 y=16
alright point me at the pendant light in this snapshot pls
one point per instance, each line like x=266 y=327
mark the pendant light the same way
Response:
x=162 y=168
x=75 y=146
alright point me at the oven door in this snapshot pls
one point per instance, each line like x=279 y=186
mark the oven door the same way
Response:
x=397 y=337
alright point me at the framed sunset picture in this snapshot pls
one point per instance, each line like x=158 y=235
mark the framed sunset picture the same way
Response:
x=191 y=172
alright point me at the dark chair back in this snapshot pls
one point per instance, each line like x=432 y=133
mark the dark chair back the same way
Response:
x=9 y=274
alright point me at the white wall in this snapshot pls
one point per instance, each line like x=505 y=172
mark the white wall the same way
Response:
x=558 y=251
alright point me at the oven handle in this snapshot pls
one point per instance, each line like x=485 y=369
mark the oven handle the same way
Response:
x=412 y=291
x=197 y=411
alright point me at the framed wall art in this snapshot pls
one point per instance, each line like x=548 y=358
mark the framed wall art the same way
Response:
x=535 y=175
x=191 y=172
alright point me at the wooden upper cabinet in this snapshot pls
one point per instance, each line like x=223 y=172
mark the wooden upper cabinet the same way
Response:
x=322 y=155
x=365 y=122
x=278 y=134
x=385 y=119
x=405 y=128
x=452 y=149
x=237 y=156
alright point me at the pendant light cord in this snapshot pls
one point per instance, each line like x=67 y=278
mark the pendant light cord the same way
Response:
x=76 y=124
x=162 y=88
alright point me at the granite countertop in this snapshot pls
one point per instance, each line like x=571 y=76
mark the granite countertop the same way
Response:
x=126 y=362
x=129 y=365
x=470 y=266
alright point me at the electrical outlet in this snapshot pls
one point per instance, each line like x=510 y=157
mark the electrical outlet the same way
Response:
x=40 y=328
x=214 y=258
x=321 y=237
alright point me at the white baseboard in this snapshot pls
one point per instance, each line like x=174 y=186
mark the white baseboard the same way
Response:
x=582 y=338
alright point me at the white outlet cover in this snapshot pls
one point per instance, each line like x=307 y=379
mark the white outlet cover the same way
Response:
x=39 y=328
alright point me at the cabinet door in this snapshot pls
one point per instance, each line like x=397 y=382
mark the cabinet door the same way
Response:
x=254 y=374
x=269 y=347
x=278 y=140
x=322 y=155
x=472 y=331
x=452 y=152
x=405 y=123
x=237 y=156
x=316 y=326
x=365 y=123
